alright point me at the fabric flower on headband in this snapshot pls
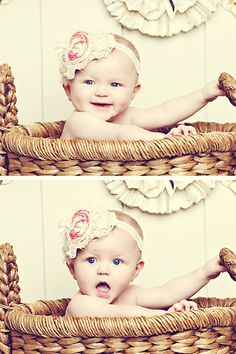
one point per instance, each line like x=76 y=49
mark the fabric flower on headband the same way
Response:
x=83 y=47
x=79 y=225
x=79 y=46
x=85 y=225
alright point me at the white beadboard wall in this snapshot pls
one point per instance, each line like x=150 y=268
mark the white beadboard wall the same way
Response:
x=171 y=66
x=31 y=208
x=174 y=244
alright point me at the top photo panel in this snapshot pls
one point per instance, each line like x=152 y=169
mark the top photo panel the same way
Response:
x=117 y=88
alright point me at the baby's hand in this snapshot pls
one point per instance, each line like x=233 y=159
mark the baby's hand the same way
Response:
x=211 y=91
x=182 y=130
x=213 y=268
x=183 y=305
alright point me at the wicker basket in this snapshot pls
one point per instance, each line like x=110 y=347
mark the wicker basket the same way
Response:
x=41 y=328
x=37 y=150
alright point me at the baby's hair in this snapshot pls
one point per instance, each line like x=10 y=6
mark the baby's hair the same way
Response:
x=127 y=43
x=129 y=220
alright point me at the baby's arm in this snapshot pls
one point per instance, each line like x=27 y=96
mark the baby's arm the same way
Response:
x=177 y=109
x=180 y=288
x=84 y=305
x=83 y=125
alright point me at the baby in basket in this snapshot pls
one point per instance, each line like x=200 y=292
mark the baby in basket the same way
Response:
x=100 y=75
x=103 y=251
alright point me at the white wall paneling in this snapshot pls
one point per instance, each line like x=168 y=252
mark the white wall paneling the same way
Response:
x=220 y=56
x=170 y=66
x=21 y=49
x=219 y=229
x=22 y=226
x=174 y=244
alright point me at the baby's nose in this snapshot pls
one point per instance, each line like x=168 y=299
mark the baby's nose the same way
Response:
x=101 y=91
x=103 y=268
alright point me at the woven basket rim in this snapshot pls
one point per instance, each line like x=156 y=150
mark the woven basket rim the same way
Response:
x=58 y=326
x=56 y=149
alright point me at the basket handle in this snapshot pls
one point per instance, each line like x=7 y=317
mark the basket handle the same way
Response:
x=228 y=260
x=8 y=110
x=9 y=291
x=228 y=85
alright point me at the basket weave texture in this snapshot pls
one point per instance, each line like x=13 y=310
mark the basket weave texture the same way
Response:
x=41 y=328
x=37 y=150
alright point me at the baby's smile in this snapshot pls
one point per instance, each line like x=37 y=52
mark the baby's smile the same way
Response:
x=101 y=105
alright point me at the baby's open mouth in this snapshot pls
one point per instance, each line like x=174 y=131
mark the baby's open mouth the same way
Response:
x=103 y=287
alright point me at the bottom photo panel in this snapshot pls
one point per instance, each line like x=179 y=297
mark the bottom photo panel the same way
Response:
x=118 y=266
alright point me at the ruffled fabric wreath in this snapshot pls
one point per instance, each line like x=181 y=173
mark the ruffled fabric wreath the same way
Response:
x=161 y=17
x=159 y=197
x=230 y=5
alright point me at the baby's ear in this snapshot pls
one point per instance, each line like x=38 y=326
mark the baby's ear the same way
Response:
x=139 y=267
x=67 y=91
x=70 y=265
x=136 y=89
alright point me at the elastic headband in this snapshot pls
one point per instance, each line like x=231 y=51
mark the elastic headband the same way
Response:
x=86 y=225
x=83 y=47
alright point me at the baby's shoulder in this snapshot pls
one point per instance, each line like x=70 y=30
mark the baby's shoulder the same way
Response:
x=79 y=117
x=76 y=124
x=81 y=303
x=127 y=116
x=129 y=295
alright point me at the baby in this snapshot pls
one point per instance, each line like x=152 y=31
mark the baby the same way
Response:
x=100 y=75
x=103 y=251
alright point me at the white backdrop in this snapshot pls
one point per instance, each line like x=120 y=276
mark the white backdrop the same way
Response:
x=31 y=208
x=174 y=244
x=171 y=66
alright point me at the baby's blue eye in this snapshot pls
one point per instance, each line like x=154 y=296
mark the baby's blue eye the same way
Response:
x=89 y=82
x=116 y=261
x=91 y=260
x=115 y=84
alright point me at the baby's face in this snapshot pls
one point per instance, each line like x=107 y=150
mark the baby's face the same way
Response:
x=105 y=87
x=107 y=265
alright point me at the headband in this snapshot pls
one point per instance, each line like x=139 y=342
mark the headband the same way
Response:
x=83 y=47
x=86 y=225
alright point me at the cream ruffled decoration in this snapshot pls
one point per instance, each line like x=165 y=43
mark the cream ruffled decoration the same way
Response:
x=3 y=185
x=231 y=184
x=5 y=2
x=159 y=197
x=161 y=17
x=230 y=5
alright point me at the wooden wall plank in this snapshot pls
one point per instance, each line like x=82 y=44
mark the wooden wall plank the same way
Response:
x=220 y=225
x=21 y=226
x=220 y=57
x=21 y=49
